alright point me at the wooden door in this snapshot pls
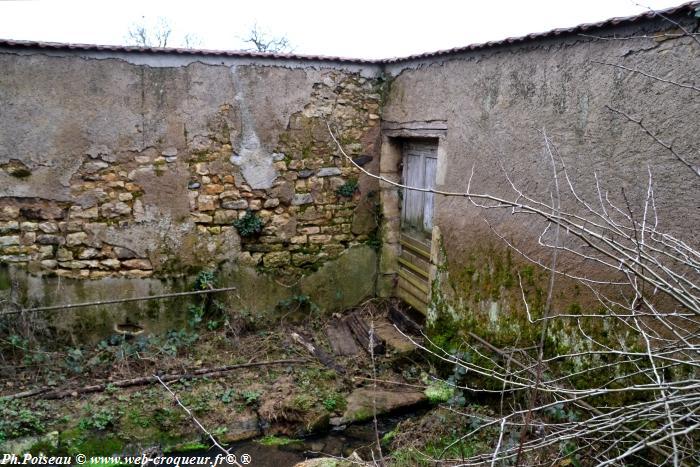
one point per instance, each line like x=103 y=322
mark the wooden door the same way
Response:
x=419 y=167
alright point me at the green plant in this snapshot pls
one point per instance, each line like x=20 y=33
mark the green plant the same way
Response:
x=177 y=339
x=249 y=225
x=348 y=188
x=17 y=420
x=272 y=440
x=205 y=280
x=74 y=360
x=334 y=401
x=99 y=420
x=251 y=397
x=195 y=314
x=228 y=396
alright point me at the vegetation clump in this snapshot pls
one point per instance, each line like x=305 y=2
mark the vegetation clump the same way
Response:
x=348 y=188
x=250 y=225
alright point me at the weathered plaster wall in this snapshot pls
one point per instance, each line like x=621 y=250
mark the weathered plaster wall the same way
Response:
x=116 y=169
x=499 y=102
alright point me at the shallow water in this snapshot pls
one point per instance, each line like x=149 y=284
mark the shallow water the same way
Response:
x=359 y=437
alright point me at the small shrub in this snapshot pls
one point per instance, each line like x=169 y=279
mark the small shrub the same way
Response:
x=347 y=189
x=249 y=225
x=334 y=401
x=100 y=420
x=228 y=396
x=251 y=397
x=205 y=280
x=16 y=420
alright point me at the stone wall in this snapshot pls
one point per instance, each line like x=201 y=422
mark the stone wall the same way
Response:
x=139 y=168
x=498 y=103
x=145 y=172
x=141 y=165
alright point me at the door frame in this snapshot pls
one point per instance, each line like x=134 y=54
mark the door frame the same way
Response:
x=390 y=168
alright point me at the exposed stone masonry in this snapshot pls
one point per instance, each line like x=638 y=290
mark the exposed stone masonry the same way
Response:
x=305 y=220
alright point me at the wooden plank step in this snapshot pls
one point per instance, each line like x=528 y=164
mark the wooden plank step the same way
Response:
x=360 y=330
x=425 y=254
x=423 y=245
x=414 y=280
x=341 y=339
x=411 y=300
x=413 y=290
x=415 y=259
x=413 y=268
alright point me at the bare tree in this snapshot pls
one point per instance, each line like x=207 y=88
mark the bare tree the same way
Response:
x=159 y=33
x=261 y=41
x=155 y=34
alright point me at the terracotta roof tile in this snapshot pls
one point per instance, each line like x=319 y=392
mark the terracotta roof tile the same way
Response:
x=684 y=8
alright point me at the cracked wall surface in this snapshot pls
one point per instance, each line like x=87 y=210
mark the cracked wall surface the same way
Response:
x=500 y=104
x=120 y=179
x=113 y=169
x=127 y=165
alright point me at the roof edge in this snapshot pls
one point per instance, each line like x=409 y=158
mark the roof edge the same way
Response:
x=692 y=6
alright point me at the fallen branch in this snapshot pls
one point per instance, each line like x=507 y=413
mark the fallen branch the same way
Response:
x=47 y=393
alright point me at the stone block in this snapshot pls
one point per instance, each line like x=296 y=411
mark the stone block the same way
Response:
x=229 y=194
x=328 y=172
x=124 y=253
x=310 y=230
x=271 y=203
x=9 y=226
x=9 y=212
x=136 y=274
x=64 y=254
x=301 y=259
x=77 y=238
x=302 y=198
x=224 y=216
x=115 y=209
x=76 y=212
x=235 y=204
x=201 y=168
x=319 y=238
x=49 y=264
x=213 y=189
x=111 y=263
x=137 y=264
x=45 y=252
x=28 y=238
x=50 y=240
x=201 y=218
x=276 y=259
x=206 y=203
x=299 y=239
x=88 y=253
x=48 y=227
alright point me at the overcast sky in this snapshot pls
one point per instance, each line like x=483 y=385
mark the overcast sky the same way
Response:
x=356 y=28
